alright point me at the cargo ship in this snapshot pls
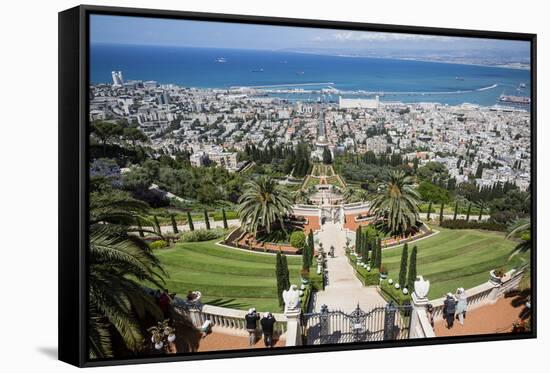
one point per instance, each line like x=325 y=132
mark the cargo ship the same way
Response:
x=521 y=100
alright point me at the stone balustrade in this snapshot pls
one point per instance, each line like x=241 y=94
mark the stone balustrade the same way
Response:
x=486 y=293
x=481 y=295
x=223 y=317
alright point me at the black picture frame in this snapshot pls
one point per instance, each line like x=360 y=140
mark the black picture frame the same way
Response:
x=73 y=177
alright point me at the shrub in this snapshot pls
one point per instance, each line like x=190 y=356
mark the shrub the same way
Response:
x=297 y=239
x=396 y=295
x=158 y=244
x=463 y=224
x=202 y=235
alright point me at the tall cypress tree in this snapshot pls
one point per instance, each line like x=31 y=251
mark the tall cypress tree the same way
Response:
x=374 y=254
x=206 y=220
x=279 y=274
x=174 y=224
x=456 y=210
x=224 y=219
x=412 y=269
x=306 y=258
x=358 y=238
x=286 y=273
x=441 y=212
x=403 y=268
x=140 y=228
x=429 y=211
x=468 y=212
x=378 y=253
x=480 y=212
x=311 y=245
x=190 y=221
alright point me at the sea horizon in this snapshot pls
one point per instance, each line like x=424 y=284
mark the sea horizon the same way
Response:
x=407 y=80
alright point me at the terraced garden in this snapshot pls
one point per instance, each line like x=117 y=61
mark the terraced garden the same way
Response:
x=456 y=258
x=226 y=277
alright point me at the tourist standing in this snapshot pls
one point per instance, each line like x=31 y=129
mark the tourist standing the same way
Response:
x=461 y=305
x=267 y=322
x=251 y=319
x=430 y=314
x=449 y=308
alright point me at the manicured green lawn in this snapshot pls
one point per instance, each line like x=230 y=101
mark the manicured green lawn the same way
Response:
x=455 y=258
x=225 y=276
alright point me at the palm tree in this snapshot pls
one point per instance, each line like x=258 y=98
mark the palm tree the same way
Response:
x=349 y=194
x=118 y=263
x=396 y=203
x=262 y=203
x=521 y=229
x=116 y=301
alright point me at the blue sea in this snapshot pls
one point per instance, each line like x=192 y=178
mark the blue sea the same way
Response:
x=399 y=80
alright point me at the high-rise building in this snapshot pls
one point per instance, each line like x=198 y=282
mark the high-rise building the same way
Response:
x=118 y=81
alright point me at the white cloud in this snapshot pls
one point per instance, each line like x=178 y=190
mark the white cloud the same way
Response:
x=377 y=36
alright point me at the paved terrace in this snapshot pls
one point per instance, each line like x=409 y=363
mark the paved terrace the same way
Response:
x=494 y=318
x=344 y=290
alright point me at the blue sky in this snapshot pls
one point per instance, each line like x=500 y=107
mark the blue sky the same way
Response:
x=168 y=32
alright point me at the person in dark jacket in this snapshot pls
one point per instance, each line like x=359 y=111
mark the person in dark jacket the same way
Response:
x=251 y=319
x=267 y=322
x=449 y=308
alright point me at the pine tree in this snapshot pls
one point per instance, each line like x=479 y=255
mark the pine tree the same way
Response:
x=412 y=269
x=468 y=212
x=441 y=213
x=206 y=220
x=225 y=226
x=190 y=221
x=403 y=269
x=456 y=210
x=429 y=211
x=174 y=224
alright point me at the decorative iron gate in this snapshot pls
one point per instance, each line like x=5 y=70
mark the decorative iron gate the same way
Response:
x=378 y=324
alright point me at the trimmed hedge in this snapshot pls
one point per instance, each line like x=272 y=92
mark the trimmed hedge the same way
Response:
x=371 y=278
x=367 y=278
x=463 y=224
x=396 y=295
x=202 y=235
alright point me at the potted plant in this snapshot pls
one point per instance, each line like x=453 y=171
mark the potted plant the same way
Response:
x=497 y=275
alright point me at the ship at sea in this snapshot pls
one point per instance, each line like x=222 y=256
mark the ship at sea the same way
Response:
x=221 y=60
x=260 y=70
x=521 y=100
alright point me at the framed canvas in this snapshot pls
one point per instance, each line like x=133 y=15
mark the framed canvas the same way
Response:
x=234 y=186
